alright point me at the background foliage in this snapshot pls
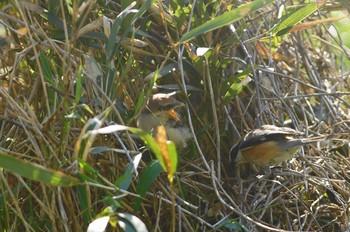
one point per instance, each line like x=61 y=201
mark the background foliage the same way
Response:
x=75 y=75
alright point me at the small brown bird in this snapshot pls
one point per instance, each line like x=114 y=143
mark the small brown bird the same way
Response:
x=162 y=109
x=270 y=145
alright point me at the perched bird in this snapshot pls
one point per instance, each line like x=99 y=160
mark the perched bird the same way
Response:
x=269 y=145
x=162 y=109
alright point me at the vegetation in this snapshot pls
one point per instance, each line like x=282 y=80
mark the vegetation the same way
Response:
x=75 y=75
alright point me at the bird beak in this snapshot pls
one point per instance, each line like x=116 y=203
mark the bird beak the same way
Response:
x=173 y=114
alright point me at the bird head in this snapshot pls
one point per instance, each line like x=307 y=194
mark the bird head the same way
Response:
x=163 y=109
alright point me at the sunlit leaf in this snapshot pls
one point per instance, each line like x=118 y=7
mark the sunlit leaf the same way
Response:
x=234 y=85
x=36 y=172
x=99 y=224
x=131 y=223
x=143 y=135
x=297 y=16
x=86 y=137
x=167 y=150
x=225 y=19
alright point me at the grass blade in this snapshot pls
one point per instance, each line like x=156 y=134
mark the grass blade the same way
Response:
x=225 y=19
x=36 y=172
x=146 y=180
x=285 y=25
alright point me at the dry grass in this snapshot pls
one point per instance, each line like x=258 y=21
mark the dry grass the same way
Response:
x=59 y=69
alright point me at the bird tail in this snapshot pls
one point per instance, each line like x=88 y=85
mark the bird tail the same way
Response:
x=320 y=138
x=304 y=141
x=315 y=139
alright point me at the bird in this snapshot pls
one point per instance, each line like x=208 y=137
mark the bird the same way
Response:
x=163 y=109
x=270 y=145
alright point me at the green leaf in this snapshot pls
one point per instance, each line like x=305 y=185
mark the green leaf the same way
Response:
x=36 y=172
x=101 y=149
x=53 y=20
x=87 y=135
x=112 y=40
x=150 y=143
x=164 y=71
x=234 y=85
x=46 y=69
x=78 y=86
x=298 y=15
x=84 y=178
x=99 y=224
x=225 y=19
x=143 y=135
x=83 y=196
x=233 y=225
x=131 y=223
x=147 y=178
x=173 y=157
x=124 y=181
x=87 y=168
x=147 y=4
x=140 y=100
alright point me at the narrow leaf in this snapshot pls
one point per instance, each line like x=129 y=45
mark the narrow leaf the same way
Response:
x=131 y=223
x=225 y=19
x=234 y=85
x=143 y=135
x=99 y=224
x=124 y=181
x=36 y=172
x=297 y=16
x=173 y=156
x=78 y=86
x=146 y=180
